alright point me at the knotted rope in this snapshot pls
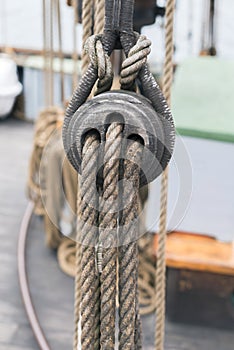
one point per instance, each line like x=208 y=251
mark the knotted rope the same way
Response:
x=137 y=57
x=101 y=61
x=161 y=259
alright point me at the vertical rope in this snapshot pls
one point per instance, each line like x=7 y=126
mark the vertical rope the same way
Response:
x=77 y=288
x=99 y=16
x=161 y=263
x=87 y=22
x=60 y=49
x=45 y=53
x=129 y=321
x=51 y=54
x=88 y=228
x=75 y=51
x=108 y=223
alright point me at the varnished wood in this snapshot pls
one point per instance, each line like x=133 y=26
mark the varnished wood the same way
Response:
x=199 y=253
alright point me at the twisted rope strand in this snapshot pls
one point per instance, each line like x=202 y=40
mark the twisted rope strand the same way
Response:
x=87 y=23
x=129 y=321
x=99 y=16
x=131 y=66
x=108 y=221
x=87 y=234
x=161 y=263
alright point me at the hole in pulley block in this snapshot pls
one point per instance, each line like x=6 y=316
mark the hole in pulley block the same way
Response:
x=136 y=137
x=90 y=132
x=114 y=117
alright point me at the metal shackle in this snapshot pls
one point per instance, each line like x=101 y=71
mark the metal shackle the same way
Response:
x=139 y=118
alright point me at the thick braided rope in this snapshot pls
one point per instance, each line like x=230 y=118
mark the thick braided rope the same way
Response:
x=129 y=322
x=77 y=286
x=86 y=280
x=161 y=263
x=101 y=61
x=87 y=226
x=77 y=296
x=108 y=222
x=99 y=19
x=131 y=66
x=87 y=8
x=87 y=23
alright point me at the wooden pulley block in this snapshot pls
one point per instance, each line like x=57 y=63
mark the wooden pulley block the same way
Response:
x=139 y=118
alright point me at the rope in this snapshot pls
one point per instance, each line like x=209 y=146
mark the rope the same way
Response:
x=45 y=51
x=87 y=6
x=45 y=126
x=130 y=328
x=87 y=228
x=60 y=49
x=87 y=22
x=129 y=322
x=101 y=61
x=99 y=17
x=161 y=261
x=131 y=66
x=75 y=52
x=108 y=222
x=51 y=54
x=66 y=257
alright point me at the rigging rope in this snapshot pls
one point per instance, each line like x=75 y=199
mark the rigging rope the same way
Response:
x=129 y=323
x=75 y=51
x=108 y=223
x=87 y=9
x=127 y=337
x=87 y=24
x=161 y=258
x=87 y=235
x=60 y=49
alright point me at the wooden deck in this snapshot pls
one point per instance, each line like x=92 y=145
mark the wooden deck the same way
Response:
x=52 y=291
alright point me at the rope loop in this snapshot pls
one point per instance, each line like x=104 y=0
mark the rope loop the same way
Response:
x=100 y=61
x=137 y=57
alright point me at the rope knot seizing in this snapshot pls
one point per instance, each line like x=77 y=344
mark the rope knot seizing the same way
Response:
x=137 y=57
x=101 y=61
